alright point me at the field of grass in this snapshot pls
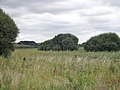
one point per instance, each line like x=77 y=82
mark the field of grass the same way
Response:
x=29 y=69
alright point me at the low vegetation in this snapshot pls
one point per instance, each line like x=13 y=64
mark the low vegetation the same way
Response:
x=30 y=69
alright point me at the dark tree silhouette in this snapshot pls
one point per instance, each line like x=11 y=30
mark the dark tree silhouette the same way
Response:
x=61 y=42
x=103 y=42
x=8 y=34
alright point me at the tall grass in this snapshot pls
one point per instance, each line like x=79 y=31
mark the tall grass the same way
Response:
x=29 y=69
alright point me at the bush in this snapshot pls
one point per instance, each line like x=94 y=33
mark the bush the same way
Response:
x=8 y=34
x=103 y=42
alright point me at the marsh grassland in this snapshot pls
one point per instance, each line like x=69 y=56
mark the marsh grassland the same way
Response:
x=29 y=69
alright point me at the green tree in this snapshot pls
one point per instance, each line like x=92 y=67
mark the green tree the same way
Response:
x=45 y=46
x=68 y=44
x=56 y=48
x=61 y=42
x=65 y=41
x=8 y=34
x=103 y=42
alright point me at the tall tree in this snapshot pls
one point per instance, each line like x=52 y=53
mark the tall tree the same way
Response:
x=8 y=33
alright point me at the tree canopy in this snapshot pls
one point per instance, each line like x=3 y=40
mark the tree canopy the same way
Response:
x=8 y=33
x=60 y=42
x=103 y=42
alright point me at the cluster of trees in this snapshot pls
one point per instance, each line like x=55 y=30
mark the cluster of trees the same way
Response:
x=103 y=42
x=61 y=42
x=8 y=34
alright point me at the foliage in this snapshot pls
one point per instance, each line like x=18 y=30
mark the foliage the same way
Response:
x=47 y=45
x=60 y=42
x=68 y=44
x=8 y=33
x=103 y=42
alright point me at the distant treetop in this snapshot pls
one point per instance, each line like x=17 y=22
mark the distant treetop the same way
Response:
x=27 y=43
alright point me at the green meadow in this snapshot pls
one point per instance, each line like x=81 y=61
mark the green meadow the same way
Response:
x=30 y=69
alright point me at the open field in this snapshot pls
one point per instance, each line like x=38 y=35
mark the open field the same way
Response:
x=29 y=69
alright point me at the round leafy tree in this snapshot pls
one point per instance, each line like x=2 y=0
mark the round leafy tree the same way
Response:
x=103 y=42
x=61 y=42
x=66 y=42
x=8 y=34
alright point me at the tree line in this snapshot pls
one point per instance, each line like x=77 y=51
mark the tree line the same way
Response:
x=61 y=42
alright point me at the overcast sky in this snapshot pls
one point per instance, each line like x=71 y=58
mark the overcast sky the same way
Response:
x=39 y=20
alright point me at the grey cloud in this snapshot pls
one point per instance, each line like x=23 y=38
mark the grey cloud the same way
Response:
x=40 y=20
x=55 y=8
x=23 y=3
x=115 y=3
x=49 y=6
x=104 y=25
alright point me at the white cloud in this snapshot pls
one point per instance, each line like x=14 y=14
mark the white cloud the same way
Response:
x=43 y=19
